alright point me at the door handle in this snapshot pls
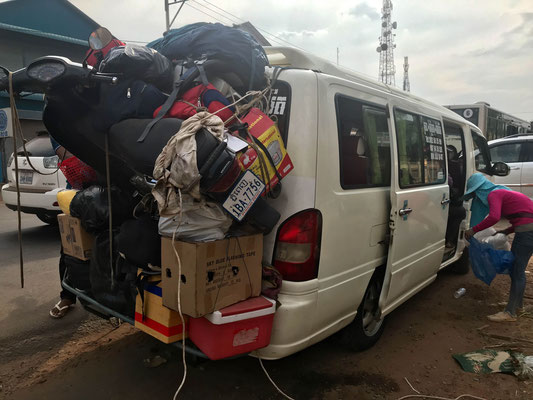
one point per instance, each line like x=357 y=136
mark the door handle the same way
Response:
x=445 y=201
x=405 y=211
x=514 y=168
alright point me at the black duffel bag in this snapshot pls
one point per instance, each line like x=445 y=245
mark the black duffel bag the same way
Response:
x=139 y=62
x=113 y=281
x=92 y=208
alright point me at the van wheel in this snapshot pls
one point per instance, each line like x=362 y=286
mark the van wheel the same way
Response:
x=366 y=328
x=47 y=218
x=462 y=265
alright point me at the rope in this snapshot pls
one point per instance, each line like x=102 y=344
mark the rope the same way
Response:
x=272 y=382
x=179 y=298
x=16 y=123
x=110 y=212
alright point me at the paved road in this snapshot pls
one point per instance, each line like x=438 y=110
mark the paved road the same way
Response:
x=418 y=343
x=24 y=312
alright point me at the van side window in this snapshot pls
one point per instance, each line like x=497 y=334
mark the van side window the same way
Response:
x=420 y=150
x=481 y=152
x=364 y=144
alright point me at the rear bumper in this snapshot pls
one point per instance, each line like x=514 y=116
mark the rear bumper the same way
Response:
x=293 y=327
x=31 y=202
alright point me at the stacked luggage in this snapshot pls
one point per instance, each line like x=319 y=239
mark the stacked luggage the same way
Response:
x=191 y=155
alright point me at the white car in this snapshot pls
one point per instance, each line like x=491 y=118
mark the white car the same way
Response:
x=38 y=191
x=517 y=152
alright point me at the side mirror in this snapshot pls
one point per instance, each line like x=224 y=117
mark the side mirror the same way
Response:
x=100 y=38
x=500 y=169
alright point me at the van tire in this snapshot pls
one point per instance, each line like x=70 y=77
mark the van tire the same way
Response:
x=462 y=265
x=362 y=334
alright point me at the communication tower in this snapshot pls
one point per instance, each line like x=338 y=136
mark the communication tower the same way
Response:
x=406 y=85
x=387 y=70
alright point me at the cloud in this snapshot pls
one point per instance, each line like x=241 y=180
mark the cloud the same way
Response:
x=363 y=9
x=303 y=34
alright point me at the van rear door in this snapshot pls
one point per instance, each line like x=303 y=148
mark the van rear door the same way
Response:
x=419 y=206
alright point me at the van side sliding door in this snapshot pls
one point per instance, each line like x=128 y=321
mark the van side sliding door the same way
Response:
x=419 y=205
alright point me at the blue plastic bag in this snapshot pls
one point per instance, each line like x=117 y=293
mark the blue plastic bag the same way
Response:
x=487 y=262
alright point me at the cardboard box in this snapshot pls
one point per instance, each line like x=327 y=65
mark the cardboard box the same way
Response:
x=158 y=321
x=214 y=275
x=76 y=242
x=264 y=129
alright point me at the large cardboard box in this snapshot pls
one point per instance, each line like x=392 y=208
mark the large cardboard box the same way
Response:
x=214 y=275
x=157 y=320
x=76 y=242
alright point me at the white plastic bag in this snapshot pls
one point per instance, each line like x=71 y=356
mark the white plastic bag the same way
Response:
x=201 y=221
x=497 y=240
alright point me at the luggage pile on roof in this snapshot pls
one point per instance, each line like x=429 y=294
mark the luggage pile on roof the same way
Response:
x=192 y=155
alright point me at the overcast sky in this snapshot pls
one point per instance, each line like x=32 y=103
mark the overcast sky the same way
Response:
x=460 y=51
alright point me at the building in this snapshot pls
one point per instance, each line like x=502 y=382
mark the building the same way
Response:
x=493 y=123
x=30 y=29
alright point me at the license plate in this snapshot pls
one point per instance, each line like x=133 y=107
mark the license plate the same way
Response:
x=25 y=177
x=244 y=195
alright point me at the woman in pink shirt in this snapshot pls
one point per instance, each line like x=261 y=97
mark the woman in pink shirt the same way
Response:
x=498 y=201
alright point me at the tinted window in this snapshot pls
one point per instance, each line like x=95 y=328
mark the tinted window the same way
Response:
x=38 y=147
x=528 y=152
x=364 y=144
x=280 y=107
x=481 y=152
x=420 y=150
x=508 y=152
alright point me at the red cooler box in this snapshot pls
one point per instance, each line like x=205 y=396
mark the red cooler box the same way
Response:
x=237 y=329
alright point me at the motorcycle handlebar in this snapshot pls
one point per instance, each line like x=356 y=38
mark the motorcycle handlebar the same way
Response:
x=74 y=73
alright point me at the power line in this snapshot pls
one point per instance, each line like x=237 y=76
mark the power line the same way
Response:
x=234 y=20
x=240 y=20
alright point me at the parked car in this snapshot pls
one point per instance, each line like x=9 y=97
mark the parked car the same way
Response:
x=517 y=152
x=38 y=191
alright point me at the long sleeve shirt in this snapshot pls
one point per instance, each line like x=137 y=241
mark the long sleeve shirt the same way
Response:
x=503 y=203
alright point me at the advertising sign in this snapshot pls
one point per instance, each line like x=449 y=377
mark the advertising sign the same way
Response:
x=6 y=128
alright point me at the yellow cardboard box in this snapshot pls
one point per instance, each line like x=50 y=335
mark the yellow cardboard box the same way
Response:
x=158 y=321
x=76 y=242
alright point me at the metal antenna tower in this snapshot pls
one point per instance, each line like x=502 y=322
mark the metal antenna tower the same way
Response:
x=168 y=3
x=387 y=70
x=406 y=85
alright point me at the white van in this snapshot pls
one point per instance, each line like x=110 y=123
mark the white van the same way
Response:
x=364 y=212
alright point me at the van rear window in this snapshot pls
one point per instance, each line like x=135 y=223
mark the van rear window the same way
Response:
x=38 y=147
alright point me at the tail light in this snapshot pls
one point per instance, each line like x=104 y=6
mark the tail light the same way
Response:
x=297 y=249
x=51 y=162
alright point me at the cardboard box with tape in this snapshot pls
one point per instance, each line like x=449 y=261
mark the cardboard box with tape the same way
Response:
x=75 y=241
x=214 y=274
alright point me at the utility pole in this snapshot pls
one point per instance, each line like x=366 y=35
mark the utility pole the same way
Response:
x=387 y=69
x=168 y=3
x=406 y=84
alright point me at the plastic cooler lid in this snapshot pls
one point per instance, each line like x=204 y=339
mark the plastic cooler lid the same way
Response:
x=251 y=308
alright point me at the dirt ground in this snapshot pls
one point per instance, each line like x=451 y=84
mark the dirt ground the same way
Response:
x=109 y=362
